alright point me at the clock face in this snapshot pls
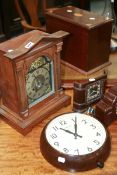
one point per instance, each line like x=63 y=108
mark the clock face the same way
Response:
x=40 y=80
x=94 y=91
x=75 y=134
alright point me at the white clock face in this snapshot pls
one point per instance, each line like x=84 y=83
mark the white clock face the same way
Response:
x=75 y=134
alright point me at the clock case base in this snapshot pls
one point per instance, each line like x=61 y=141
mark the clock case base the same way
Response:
x=25 y=125
x=86 y=72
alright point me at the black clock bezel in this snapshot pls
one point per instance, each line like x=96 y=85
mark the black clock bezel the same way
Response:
x=74 y=163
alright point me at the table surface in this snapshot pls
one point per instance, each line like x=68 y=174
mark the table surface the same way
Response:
x=20 y=155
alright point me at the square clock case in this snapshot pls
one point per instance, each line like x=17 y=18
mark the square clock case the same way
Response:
x=87 y=92
x=30 y=85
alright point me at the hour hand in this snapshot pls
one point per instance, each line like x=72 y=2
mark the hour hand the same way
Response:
x=70 y=132
x=67 y=131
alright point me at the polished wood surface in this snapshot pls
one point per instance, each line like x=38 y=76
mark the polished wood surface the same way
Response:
x=20 y=155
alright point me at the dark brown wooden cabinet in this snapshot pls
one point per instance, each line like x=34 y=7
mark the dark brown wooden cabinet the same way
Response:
x=87 y=48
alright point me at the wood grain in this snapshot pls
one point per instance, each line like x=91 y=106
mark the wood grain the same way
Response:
x=20 y=155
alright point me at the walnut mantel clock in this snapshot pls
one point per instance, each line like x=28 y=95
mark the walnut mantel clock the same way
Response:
x=30 y=78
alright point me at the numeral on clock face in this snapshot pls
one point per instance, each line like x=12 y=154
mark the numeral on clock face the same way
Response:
x=97 y=142
x=63 y=122
x=55 y=128
x=89 y=149
x=53 y=136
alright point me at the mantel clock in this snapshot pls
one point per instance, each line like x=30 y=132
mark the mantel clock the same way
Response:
x=30 y=78
x=88 y=92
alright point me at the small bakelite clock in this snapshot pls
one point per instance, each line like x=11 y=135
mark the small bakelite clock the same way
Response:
x=88 y=91
x=75 y=142
x=30 y=83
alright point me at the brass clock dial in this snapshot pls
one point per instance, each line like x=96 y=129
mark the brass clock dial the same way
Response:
x=39 y=80
x=75 y=142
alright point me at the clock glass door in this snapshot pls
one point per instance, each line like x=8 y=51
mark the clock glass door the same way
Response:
x=40 y=80
x=94 y=91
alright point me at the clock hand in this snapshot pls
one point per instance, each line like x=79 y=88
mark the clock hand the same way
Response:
x=67 y=131
x=70 y=132
x=75 y=125
x=94 y=91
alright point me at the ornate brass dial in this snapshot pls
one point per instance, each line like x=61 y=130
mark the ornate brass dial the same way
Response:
x=39 y=80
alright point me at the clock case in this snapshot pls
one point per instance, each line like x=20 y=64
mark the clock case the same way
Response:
x=14 y=67
x=80 y=103
x=75 y=163
x=106 y=108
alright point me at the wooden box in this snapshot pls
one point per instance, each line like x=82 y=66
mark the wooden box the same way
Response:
x=87 y=48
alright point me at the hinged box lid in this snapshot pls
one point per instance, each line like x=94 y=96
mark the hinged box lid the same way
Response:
x=78 y=16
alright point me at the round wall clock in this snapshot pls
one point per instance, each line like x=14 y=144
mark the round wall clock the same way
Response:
x=88 y=92
x=30 y=83
x=75 y=142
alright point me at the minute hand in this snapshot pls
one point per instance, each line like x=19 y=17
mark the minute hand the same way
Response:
x=70 y=132
x=75 y=125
